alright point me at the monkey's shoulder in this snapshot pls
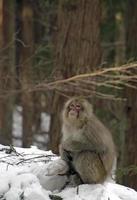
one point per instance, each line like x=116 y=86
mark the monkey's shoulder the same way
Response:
x=97 y=133
x=95 y=125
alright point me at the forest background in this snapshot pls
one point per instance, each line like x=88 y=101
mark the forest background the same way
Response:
x=53 y=49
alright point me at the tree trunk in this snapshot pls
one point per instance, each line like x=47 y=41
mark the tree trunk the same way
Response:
x=120 y=40
x=108 y=31
x=25 y=65
x=131 y=94
x=77 y=49
x=7 y=68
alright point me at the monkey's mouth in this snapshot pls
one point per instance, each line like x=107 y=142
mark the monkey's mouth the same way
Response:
x=73 y=113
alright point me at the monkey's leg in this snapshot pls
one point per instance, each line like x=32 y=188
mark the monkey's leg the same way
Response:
x=90 y=167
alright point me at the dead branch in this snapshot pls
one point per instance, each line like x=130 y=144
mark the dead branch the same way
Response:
x=114 y=78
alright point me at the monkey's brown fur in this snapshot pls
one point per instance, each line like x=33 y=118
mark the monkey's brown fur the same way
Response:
x=86 y=143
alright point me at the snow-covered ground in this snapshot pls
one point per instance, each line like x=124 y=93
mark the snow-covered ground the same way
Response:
x=32 y=174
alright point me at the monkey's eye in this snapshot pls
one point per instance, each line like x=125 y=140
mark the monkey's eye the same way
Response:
x=71 y=106
x=75 y=107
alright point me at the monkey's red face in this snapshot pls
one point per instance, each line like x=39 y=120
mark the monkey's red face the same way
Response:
x=74 y=109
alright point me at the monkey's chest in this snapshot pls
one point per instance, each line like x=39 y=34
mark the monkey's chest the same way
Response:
x=73 y=135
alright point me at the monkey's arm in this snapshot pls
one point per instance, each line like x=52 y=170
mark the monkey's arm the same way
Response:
x=98 y=135
x=68 y=157
x=79 y=146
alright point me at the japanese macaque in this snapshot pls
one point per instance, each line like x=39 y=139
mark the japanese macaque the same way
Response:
x=87 y=145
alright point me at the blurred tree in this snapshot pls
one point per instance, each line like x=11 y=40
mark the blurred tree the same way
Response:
x=44 y=18
x=34 y=60
x=25 y=68
x=113 y=31
x=113 y=41
x=77 y=49
x=131 y=134
x=108 y=31
x=7 y=68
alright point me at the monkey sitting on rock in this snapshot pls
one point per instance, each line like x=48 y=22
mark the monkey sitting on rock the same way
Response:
x=87 y=145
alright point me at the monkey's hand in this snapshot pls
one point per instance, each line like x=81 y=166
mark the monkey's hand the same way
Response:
x=65 y=155
x=68 y=157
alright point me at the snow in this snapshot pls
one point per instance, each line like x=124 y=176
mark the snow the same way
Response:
x=33 y=174
x=41 y=138
x=45 y=122
x=17 y=126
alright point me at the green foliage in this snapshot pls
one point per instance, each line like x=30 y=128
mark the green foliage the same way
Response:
x=43 y=62
x=130 y=171
x=110 y=26
x=43 y=58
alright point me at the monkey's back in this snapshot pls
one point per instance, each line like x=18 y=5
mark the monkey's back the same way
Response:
x=99 y=135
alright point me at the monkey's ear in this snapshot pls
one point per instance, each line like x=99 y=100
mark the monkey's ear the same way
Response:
x=67 y=103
